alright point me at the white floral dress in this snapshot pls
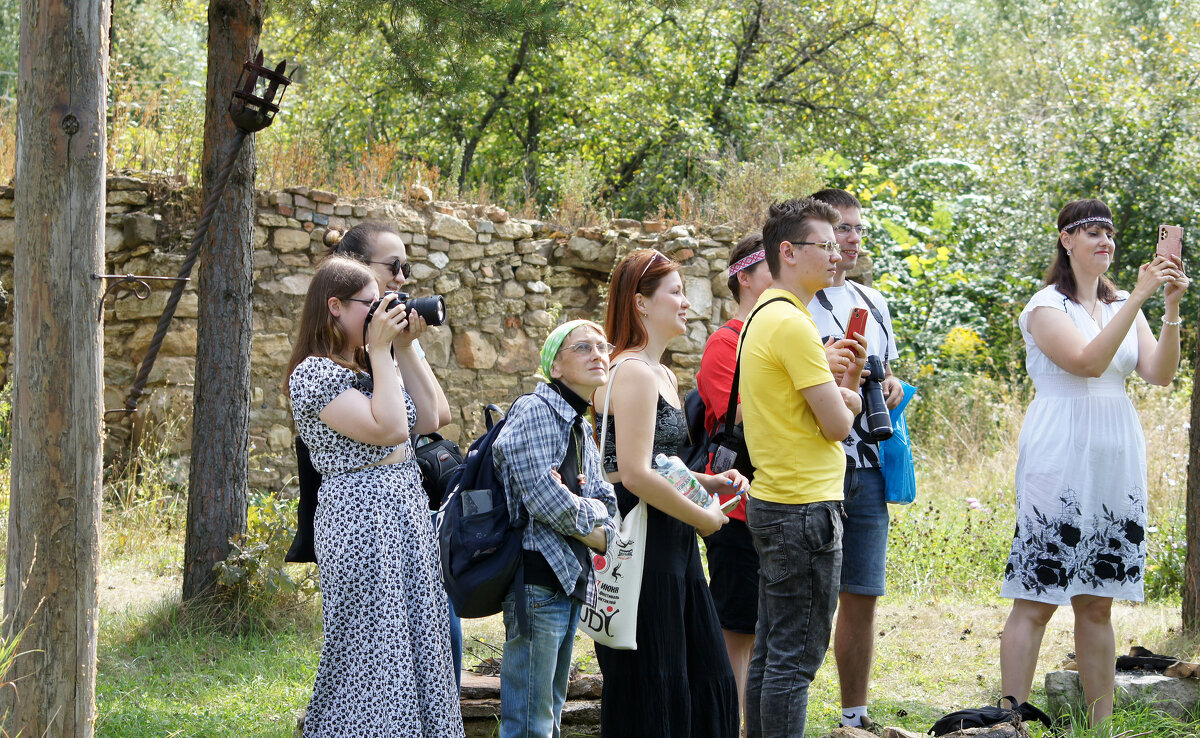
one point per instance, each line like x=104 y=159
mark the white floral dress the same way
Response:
x=1081 y=474
x=385 y=666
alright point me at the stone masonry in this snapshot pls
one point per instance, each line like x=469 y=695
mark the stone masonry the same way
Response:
x=506 y=282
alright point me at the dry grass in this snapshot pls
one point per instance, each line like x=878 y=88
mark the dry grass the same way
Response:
x=156 y=127
x=739 y=192
x=8 y=140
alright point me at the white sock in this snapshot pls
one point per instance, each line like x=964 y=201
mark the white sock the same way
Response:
x=852 y=717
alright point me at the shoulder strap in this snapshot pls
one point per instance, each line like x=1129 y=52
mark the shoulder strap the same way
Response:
x=737 y=369
x=607 y=397
x=825 y=303
x=878 y=316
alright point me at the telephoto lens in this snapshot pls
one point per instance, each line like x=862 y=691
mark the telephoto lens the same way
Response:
x=432 y=309
x=878 y=419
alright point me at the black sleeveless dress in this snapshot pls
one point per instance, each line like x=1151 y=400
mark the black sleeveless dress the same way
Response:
x=678 y=683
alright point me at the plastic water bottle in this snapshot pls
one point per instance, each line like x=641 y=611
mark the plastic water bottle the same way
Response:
x=681 y=477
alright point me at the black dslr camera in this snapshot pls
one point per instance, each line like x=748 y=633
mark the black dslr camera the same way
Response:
x=432 y=309
x=875 y=411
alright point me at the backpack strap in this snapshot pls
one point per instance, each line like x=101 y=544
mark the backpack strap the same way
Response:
x=522 y=514
x=737 y=369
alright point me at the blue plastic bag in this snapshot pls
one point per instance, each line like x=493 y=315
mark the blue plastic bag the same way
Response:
x=896 y=459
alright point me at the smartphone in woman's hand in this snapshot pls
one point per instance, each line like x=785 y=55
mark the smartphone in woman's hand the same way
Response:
x=1170 y=241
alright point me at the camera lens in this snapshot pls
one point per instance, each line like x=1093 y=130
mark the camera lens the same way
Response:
x=875 y=411
x=432 y=309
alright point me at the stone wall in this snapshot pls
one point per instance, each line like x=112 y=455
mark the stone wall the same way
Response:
x=506 y=282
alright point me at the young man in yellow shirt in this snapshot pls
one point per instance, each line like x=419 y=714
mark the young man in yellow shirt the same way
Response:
x=795 y=417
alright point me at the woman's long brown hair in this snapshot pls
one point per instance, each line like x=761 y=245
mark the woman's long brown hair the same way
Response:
x=320 y=335
x=638 y=273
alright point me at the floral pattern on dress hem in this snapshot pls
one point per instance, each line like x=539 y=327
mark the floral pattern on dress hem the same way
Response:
x=1053 y=551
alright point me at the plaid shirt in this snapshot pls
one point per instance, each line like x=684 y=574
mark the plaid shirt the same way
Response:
x=532 y=442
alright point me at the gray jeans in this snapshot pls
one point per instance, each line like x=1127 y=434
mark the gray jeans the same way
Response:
x=800 y=559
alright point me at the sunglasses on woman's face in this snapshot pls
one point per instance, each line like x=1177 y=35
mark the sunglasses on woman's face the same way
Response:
x=395 y=266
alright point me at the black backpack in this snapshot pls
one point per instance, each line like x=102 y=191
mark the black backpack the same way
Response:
x=982 y=717
x=438 y=458
x=480 y=543
x=695 y=453
x=302 y=550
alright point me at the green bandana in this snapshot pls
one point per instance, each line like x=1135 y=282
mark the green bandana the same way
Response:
x=554 y=343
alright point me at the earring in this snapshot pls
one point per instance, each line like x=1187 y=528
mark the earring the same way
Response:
x=1068 y=252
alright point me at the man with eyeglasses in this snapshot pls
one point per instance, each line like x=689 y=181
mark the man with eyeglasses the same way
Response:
x=795 y=415
x=866 y=523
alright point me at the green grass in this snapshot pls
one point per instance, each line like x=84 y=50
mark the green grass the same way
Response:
x=162 y=672
x=160 y=675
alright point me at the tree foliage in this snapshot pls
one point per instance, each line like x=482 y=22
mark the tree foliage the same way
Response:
x=967 y=124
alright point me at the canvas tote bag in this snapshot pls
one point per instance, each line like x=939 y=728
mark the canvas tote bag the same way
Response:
x=612 y=619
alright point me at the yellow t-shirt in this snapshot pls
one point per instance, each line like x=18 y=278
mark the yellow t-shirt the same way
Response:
x=782 y=354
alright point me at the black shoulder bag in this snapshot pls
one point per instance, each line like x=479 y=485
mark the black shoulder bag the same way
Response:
x=728 y=446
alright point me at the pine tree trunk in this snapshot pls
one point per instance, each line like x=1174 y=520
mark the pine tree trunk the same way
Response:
x=54 y=513
x=221 y=410
x=1191 y=574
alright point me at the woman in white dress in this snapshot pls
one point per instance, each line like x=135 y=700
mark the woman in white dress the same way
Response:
x=1081 y=469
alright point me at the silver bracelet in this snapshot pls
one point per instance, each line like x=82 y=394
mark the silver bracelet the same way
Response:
x=1177 y=321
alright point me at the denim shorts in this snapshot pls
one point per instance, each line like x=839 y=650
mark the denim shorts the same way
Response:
x=865 y=534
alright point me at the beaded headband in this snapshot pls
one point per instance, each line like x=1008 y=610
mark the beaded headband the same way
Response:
x=747 y=262
x=1093 y=219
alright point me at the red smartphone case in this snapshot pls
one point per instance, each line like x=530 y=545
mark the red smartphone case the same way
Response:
x=858 y=322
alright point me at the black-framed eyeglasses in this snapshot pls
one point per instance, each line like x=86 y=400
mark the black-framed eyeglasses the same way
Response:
x=395 y=266
x=585 y=348
x=845 y=228
x=831 y=247
x=363 y=300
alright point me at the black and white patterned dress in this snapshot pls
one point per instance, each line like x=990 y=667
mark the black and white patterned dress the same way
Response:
x=385 y=666
x=1081 y=474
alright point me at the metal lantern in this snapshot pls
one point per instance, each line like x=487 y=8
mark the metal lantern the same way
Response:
x=253 y=105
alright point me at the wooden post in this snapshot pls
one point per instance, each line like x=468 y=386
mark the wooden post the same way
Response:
x=54 y=514
x=1191 y=574
x=221 y=407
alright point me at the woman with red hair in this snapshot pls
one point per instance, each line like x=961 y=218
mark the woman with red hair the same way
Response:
x=678 y=682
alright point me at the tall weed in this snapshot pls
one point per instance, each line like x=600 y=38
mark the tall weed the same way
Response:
x=955 y=539
x=258 y=587
x=156 y=127
x=739 y=192
x=578 y=185
x=8 y=139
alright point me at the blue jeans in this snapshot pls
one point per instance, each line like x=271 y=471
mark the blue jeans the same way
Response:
x=800 y=558
x=534 y=671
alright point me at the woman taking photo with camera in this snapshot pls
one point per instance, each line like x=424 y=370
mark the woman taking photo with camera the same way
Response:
x=383 y=251
x=385 y=666
x=678 y=682
x=1081 y=469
